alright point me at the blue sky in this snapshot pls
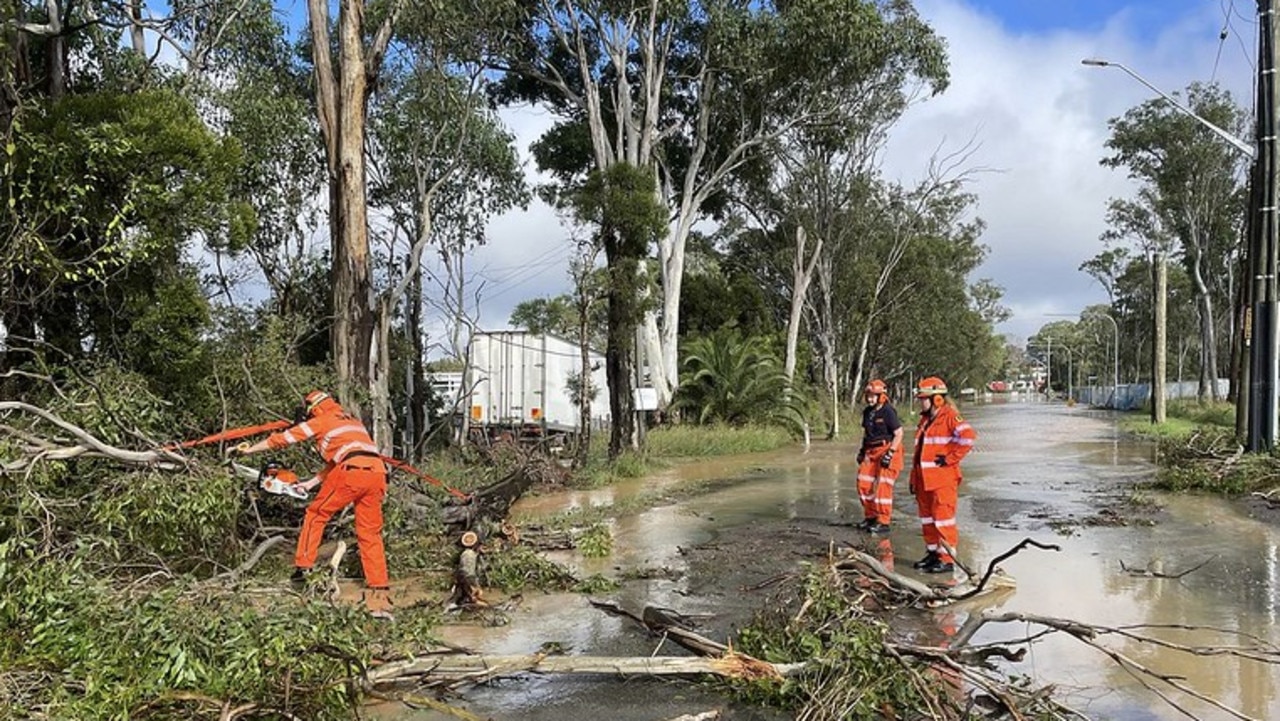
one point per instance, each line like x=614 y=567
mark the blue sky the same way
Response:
x=1039 y=16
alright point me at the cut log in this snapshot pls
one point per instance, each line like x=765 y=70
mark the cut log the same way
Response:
x=457 y=667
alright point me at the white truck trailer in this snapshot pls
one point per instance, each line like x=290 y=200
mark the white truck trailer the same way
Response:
x=519 y=381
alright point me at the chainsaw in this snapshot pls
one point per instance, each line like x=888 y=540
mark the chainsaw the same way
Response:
x=276 y=479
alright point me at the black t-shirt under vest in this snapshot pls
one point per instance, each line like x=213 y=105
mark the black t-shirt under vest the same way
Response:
x=879 y=425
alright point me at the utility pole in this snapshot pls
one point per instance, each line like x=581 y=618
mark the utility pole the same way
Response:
x=1263 y=352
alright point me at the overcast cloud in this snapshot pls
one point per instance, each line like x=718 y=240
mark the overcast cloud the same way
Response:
x=1039 y=119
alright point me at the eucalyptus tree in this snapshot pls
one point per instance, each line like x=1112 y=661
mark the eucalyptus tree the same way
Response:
x=442 y=165
x=346 y=73
x=694 y=91
x=922 y=317
x=1190 y=201
x=619 y=203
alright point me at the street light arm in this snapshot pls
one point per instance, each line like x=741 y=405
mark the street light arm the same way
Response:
x=1235 y=142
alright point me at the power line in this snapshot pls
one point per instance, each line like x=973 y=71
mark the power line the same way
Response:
x=1222 y=37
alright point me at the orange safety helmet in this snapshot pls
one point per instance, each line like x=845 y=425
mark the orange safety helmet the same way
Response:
x=877 y=388
x=313 y=403
x=931 y=386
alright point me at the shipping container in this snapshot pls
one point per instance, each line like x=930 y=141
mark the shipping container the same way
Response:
x=520 y=381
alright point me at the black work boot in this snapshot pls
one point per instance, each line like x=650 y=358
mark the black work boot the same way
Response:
x=299 y=577
x=939 y=566
x=929 y=559
x=865 y=524
x=878 y=529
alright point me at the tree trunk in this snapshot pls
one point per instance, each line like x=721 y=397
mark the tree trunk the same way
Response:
x=617 y=357
x=1208 y=386
x=416 y=394
x=342 y=103
x=585 y=387
x=380 y=380
x=802 y=274
x=136 y=36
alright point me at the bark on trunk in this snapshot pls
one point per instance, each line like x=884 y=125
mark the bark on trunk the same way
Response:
x=479 y=668
x=801 y=274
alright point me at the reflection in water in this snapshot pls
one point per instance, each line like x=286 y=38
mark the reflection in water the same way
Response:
x=1033 y=463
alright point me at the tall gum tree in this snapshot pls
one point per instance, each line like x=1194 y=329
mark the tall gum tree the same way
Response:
x=695 y=91
x=342 y=103
x=1190 y=203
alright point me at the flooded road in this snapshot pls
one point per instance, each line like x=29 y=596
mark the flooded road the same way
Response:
x=1039 y=470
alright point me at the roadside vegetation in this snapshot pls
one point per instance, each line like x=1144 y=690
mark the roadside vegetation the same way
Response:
x=1198 y=451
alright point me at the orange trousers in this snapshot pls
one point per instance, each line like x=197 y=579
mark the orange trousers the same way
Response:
x=876 y=498
x=938 y=518
x=344 y=485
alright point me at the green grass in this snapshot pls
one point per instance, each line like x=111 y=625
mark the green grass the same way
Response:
x=688 y=441
x=1182 y=419
x=674 y=443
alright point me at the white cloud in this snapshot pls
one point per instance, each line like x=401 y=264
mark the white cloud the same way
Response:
x=1040 y=118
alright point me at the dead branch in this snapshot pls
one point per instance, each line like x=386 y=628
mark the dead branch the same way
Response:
x=668 y=624
x=234 y=574
x=991 y=567
x=1154 y=569
x=1149 y=678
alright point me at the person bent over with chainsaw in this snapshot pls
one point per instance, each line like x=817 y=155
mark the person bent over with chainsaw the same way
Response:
x=943 y=438
x=354 y=473
x=879 y=459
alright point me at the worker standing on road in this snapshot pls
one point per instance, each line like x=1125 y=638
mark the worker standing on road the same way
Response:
x=943 y=438
x=353 y=474
x=879 y=459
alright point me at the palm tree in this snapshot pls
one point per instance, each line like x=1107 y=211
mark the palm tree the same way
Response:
x=730 y=379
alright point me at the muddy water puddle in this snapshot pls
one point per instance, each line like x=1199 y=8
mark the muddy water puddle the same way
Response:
x=1059 y=475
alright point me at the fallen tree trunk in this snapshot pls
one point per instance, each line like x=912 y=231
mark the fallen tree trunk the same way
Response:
x=476 y=669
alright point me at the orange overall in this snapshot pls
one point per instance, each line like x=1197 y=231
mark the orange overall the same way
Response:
x=353 y=474
x=882 y=433
x=875 y=483
x=942 y=439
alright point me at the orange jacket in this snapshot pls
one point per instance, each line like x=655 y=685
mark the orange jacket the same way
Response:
x=941 y=433
x=338 y=437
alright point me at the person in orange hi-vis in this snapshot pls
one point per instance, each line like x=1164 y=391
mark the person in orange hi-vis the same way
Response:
x=879 y=459
x=943 y=438
x=353 y=474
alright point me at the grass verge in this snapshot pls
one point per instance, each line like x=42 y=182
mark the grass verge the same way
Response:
x=1182 y=419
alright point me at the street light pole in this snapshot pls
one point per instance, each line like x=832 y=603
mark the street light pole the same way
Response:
x=1115 y=359
x=1235 y=142
x=1115 y=351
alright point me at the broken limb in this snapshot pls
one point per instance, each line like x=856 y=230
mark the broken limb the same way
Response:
x=991 y=567
x=451 y=669
x=1090 y=635
x=670 y=625
x=1153 y=572
x=235 y=574
x=87 y=445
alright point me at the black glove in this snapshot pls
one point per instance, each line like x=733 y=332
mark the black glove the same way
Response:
x=941 y=460
x=862 y=455
x=886 y=459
